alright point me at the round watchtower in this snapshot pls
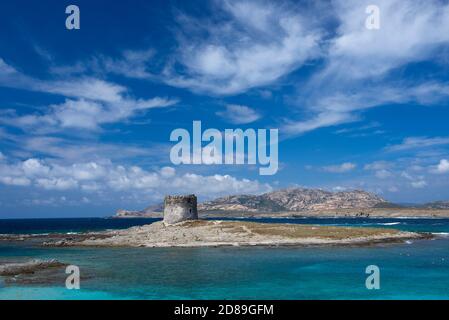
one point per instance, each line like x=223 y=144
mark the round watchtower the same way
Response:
x=180 y=208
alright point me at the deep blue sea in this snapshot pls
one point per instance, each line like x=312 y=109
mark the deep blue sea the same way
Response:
x=413 y=270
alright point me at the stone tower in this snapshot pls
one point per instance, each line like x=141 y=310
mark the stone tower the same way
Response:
x=180 y=208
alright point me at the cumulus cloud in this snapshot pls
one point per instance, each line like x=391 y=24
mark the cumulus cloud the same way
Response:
x=340 y=168
x=402 y=177
x=254 y=44
x=15 y=181
x=91 y=177
x=56 y=183
x=168 y=172
x=442 y=167
x=34 y=167
x=238 y=114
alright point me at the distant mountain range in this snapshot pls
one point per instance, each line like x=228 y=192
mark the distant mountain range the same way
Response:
x=436 y=205
x=151 y=211
x=297 y=199
x=286 y=200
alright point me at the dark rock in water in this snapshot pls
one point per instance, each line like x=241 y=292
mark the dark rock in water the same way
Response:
x=29 y=267
x=37 y=272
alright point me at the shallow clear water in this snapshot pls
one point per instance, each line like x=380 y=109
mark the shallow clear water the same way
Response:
x=417 y=270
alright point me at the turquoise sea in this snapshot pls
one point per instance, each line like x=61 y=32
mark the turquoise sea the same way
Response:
x=413 y=270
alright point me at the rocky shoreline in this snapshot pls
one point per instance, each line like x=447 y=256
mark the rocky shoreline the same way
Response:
x=29 y=267
x=32 y=272
x=215 y=233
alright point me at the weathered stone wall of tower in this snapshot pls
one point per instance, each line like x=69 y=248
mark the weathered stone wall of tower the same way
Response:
x=180 y=208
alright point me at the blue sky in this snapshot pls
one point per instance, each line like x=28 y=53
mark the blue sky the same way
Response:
x=86 y=115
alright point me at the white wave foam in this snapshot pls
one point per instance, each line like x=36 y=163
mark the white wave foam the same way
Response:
x=390 y=223
x=441 y=234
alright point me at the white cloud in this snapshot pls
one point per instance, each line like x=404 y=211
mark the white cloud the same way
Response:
x=84 y=87
x=90 y=187
x=254 y=45
x=377 y=165
x=418 y=184
x=407 y=33
x=381 y=169
x=168 y=172
x=393 y=189
x=360 y=130
x=323 y=119
x=84 y=114
x=238 y=114
x=406 y=175
x=341 y=168
x=57 y=183
x=418 y=143
x=15 y=181
x=96 y=101
x=131 y=64
x=95 y=177
x=72 y=150
x=85 y=171
x=331 y=107
x=34 y=167
x=383 y=174
x=443 y=166
x=6 y=69
x=365 y=61
x=416 y=168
